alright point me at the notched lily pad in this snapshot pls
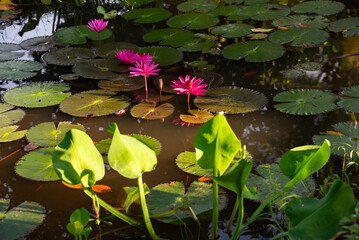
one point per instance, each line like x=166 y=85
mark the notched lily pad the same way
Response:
x=94 y=103
x=8 y=116
x=9 y=134
x=78 y=35
x=18 y=69
x=305 y=102
x=38 y=44
x=10 y=51
x=169 y=37
x=323 y=8
x=350 y=104
x=196 y=45
x=197 y=117
x=163 y=56
x=109 y=50
x=299 y=37
x=232 y=30
x=68 y=56
x=193 y=21
x=225 y=10
x=122 y=83
x=302 y=21
x=231 y=100
x=147 y=15
x=349 y=26
x=197 y=5
x=100 y=69
x=151 y=112
x=37 y=94
x=37 y=165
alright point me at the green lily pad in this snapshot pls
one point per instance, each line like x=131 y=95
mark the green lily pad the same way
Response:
x=292 y=73
x=196 y=45
x=270 y=181
x=122 y=83
x=254 y=51
x=199 y=5
x=350 y=104
x=197 y=117
x=38 y=44
x=299 y=37
x=8 y=117
x=260 y=12
x=151 y=112
x=9 y=134
x=9 y=51
x=225 y=10
x=163 y=56
x=350 y=26
x=46 y=134
x=167 y=196
x=100 y=69
x=37 y=165
x=68 y=77
x=77 y=35
x=37 y=94
x=147 y=15
x=323 y=8
x=109 y=50
x=135 y=3
x=21 y=220
x=231 y=100
x=232 y=30
x=169 y=37
x=302 y=21
x=68 y=56
x=308 y=66
x=194 y=21
x=94 y=103
x=252 y=2
x=18 y=69
x=344 y=142
x=305 y=102
x=234 y=1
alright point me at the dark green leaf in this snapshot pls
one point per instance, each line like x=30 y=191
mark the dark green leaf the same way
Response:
x=194 y=21
x=147 y=15
x=299 y=37
x=169 y=37
x=321 y=7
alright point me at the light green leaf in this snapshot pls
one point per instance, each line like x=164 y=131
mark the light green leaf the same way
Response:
x=133 y=195
x=8 y=134
x=8 y=117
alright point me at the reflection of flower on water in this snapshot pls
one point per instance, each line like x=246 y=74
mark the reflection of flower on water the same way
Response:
x=140 y=94
x=178 y=121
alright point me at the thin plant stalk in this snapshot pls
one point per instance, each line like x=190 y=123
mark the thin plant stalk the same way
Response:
x=160 y=85
x=99 y=39
x=188 y=96
x=146 y=88
x=215 y=205
x=239 y=203
x=145 y=213
x=234 y=213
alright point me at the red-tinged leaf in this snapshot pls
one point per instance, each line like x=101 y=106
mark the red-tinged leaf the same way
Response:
x=77 y=186
x=88 y=116
x=282 y=28
x=31 y=146
x=301 y=25
x=204 y=179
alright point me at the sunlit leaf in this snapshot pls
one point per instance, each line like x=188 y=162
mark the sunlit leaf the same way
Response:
x=100 y=68
x=96 y=188
x=18 y=69
x=299 y=37
x=10 y=51
x=321 y=7
x=198 y=116
x=122 y=83
x=308 y=66
x=147 y=15
x=9 y=134
x=151 y=111
x=194 y=21
x=9 y=116
x=169 y=37
x=68 y=56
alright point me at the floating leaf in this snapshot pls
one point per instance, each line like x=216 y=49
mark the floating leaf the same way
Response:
x=151 y=112
x=231 y=100
x=196 y=45
x=109 y=50
x=9 y=51
x=147 y=15
x=345 y=144
x=252 y=2
x=292 y=73
x=167 y=196
x=18 y=69
x=323 y=8
x=76 y=35
x=37 y=165
x=94 y=103
x=169 y=37
x=46 y=134
x=163 y=56
x=194 y=21
x=8 y=134
x=232 y=30
x=254 y=51
x=8 y=117
x=199 y=5
x=299 y=21
x=261 y=12
x=299 y=37
x=350 y=104
x=198 y=116
x=122 y=83
x=68 y=77
x=38 y=44
x=96 y=188
x=100 y=69
x=225 y=10
x=308 y=66
x=135 y=3
x=21 y=220
x=233 y=1
x=305 y=101
x=37 y=94
x=350 y=26
x=68 y=56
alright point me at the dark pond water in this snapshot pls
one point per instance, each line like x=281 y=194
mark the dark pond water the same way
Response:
x=267 y=133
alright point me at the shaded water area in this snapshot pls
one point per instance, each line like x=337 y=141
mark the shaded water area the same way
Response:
x=267 y=133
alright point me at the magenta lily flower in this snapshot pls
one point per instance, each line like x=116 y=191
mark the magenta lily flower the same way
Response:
x=189 y=86
x=97 y=25
x=126 y=57
x=142 y=57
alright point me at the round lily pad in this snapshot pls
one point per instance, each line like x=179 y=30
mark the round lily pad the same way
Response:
x=68 y=77
x=350 y=104
x=147 y=15
x=18 y=69
x=299 y=37
x=94 y=103
x=169 y=37
x=197 y=117
x=232 y=30
x=167 y=196
x=38 y=44
x=9 y=134
x=109 y=50
x=9 y=116
x=37 y=94
x=197 y=5
x=68 y=56
x=234 y=1
x=151 y=112
x=122 y=83
x=305 y=101
x=254 y=51
x=350 y=26
x=252 y=2
x=196 y=45
x=260 y=12
x=46 y=134
x=225 y=10
x=10 y=51
x=163 y=56
x=100 y=68
x=77 y=35
x=231 y=100
x=194 y=21
x=302 y=21
x=323 y=8
x=37 y=165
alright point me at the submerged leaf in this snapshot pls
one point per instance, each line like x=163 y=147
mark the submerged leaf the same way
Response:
x=10 y=51
x=151 y=112
x=8 y=117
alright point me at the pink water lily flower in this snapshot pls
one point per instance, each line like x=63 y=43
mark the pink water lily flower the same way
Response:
x=142 y=57
x=126 y=57
x=97 y=25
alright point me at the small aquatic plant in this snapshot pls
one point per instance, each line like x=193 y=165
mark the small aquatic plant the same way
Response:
x=97 y=25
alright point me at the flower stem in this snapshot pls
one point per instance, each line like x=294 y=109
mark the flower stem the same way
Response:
x=215 y=207
x=146 y=88
x=188 y=95
x=99 y=39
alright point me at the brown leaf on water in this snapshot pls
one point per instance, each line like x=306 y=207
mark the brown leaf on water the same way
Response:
x=31 y=146
x=204 y=179
x=335 y=133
